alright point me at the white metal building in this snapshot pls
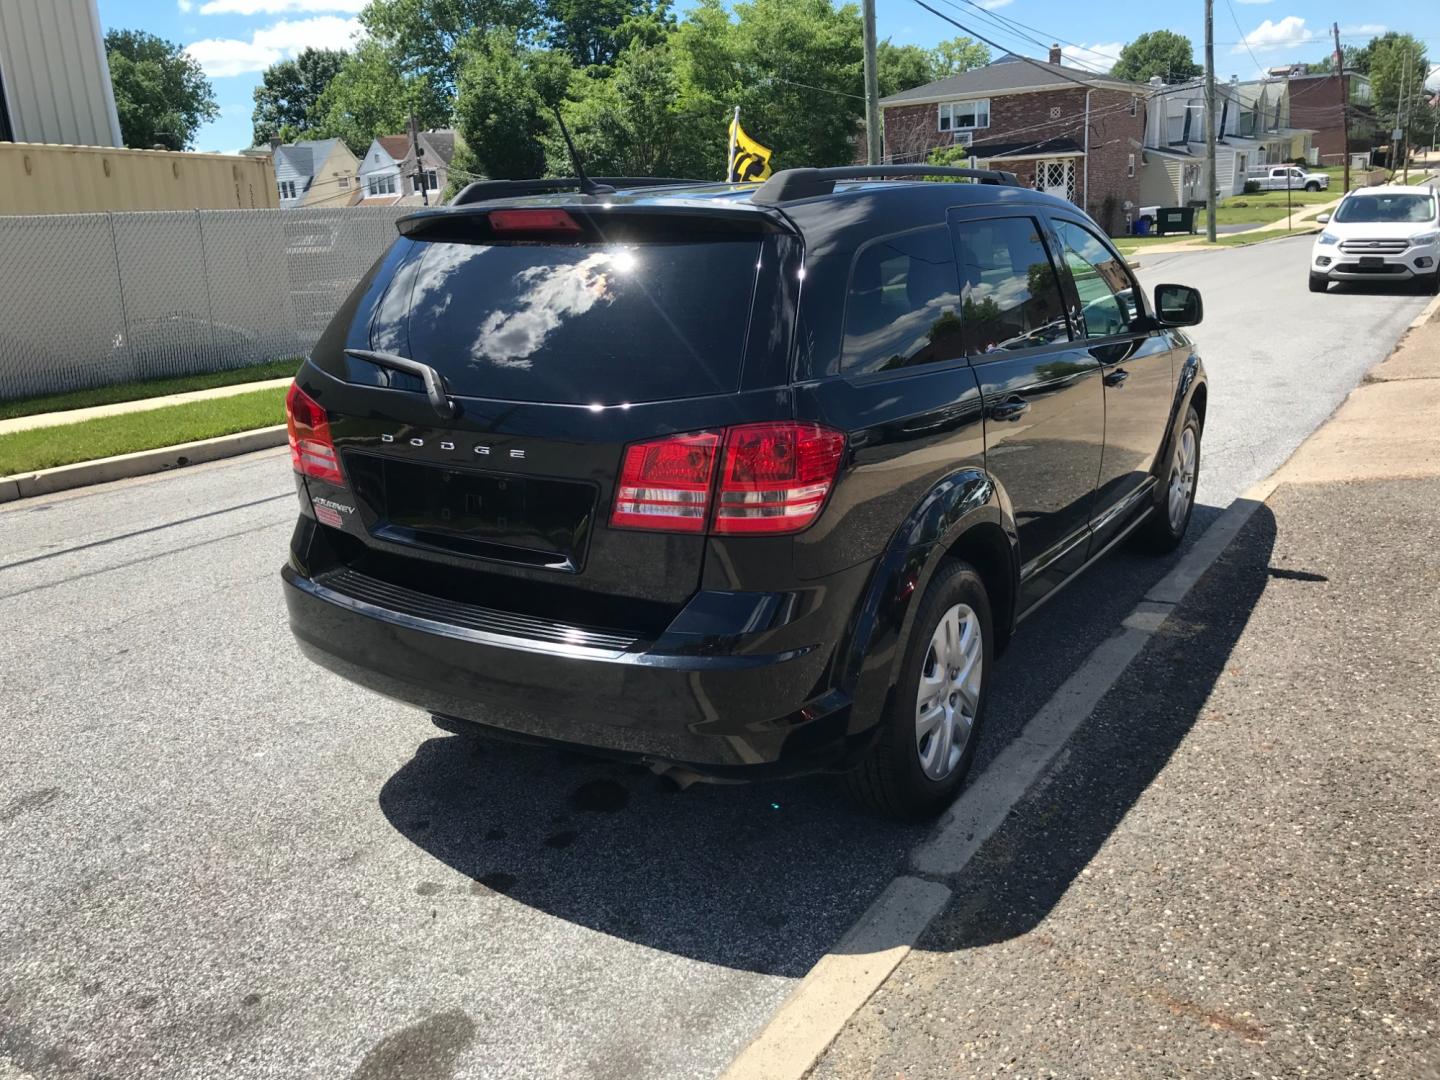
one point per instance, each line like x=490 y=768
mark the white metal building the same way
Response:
x=54 y=81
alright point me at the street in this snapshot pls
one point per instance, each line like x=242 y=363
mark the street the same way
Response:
x=223 y=861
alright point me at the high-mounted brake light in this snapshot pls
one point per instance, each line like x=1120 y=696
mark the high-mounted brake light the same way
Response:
x=312 y=451
x=533 y=221
x=773 y=478
x=665 y=484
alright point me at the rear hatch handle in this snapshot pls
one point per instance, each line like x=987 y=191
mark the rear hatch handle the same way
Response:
x=434 y=382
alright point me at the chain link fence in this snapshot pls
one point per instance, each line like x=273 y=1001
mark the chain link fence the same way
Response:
x=95 y=299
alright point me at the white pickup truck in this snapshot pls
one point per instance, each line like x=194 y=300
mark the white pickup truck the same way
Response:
x=1293 y=177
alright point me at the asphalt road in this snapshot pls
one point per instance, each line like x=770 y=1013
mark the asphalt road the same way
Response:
x=222 y=861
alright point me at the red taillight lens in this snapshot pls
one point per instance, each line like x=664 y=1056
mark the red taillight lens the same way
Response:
x=665 y=484
x=533 y=221
x=776 y=477
x=312 y=452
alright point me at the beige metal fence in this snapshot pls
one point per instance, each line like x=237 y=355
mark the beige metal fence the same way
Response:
x=93 y=299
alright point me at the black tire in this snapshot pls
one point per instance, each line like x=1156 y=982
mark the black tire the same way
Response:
x=1160 y=534
x=1319 y=283
x=1312 y=187
x=890 y=780
x=1429 y=285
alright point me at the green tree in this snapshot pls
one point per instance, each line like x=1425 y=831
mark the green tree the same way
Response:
x=371 y=96
x=286 y=97
x=426 y=39
x=161 y=94
x=793 y=67
x=1398 y=66
x=595 y=32
x=627 y=124
x=957 y=56
x=1159 y=52
x=902 y=67
x=506 y=94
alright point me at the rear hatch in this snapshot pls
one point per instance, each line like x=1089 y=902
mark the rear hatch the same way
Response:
x=563 y=333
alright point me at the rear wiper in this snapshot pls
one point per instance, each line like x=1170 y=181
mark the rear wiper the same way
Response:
x=434 y=382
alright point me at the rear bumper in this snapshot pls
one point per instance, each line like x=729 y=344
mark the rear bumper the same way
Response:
x=741 y=704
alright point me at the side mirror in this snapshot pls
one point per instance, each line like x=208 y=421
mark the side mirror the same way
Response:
x=1178 y=305
x=1322 y=219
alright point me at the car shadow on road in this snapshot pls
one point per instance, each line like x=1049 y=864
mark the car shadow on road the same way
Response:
x=761 y=877
x=1056 y=830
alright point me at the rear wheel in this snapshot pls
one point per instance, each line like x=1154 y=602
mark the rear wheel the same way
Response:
x=1319 y=283
x=1175 y=497
x=927 y=737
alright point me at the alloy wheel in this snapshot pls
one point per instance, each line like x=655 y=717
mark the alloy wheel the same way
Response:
x=1182 y=479
x=948 y=698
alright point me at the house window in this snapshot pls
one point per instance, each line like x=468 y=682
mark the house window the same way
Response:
x=344 y=183
x=432 y=179
x=1129 y=164
x=287 y=189
x=965 y=115
x=381 y=185
x=1134 y=104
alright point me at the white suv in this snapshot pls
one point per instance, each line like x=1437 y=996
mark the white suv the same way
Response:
x=1387 y=233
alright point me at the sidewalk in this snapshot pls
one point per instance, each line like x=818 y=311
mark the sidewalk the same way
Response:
x=1232 y=870
x=75 y=416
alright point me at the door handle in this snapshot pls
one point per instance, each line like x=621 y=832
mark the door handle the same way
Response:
x=434 y=382
x=1011 y=409
x=1117 y=377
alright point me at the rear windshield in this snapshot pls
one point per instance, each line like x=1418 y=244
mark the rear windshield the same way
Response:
x=585 y=323
x=1399 y=209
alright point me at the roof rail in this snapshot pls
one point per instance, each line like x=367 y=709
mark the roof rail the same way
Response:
x=481 y=190
x=791 y=184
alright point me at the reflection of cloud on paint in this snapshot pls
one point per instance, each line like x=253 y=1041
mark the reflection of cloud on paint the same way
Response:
x=548 y=296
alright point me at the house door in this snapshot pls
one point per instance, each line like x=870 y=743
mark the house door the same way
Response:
x=1056 y=176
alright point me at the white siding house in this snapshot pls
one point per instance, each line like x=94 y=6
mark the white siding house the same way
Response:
x=380 y=180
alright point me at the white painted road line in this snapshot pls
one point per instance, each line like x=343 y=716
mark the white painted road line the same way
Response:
x=841 y=982
x=845 y=977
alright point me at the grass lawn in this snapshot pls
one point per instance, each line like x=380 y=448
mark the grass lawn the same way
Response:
x=105 y=436
x=134 y=391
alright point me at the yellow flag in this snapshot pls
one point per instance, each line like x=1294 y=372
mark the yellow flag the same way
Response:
x=749 y=160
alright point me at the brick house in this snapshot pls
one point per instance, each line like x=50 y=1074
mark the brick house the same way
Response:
x=1315 y=103
x=1080 y=140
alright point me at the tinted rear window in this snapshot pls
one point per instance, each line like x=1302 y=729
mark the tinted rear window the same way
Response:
x=587 y=323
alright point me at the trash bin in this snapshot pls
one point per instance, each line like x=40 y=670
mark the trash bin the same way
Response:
x=1174 y=219
x=1142 y=227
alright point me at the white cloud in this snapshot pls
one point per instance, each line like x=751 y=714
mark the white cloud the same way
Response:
x=1099 y=58
x=991 y=5
x=1364 y=30
x=1256 y=1
x=184 y=5
x=1433 y=79
x=1288 y=33
x=223 y=57
x=273 y=7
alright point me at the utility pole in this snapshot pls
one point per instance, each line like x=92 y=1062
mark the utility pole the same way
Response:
x=874 y=137
x=1402 y=117
x=419 y=163
x=1344 y=99
x=1210 y=200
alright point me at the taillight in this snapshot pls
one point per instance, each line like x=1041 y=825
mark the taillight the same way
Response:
x=665 y=484
x=312 y=451
x=773 y=478
x=776 y=477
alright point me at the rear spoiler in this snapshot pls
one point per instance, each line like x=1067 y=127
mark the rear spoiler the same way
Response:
x=601 y=223
x=483 y=190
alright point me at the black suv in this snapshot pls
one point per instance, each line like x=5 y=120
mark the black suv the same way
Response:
x=738 y=480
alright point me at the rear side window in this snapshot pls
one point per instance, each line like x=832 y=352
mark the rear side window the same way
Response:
x=584 y=323
x=901 y=308
x=1011 y=294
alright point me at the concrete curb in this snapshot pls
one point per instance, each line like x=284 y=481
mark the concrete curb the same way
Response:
x=124 y=466
x=1431 y=311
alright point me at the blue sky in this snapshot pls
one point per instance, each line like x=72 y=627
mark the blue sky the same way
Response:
x=236 y=39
